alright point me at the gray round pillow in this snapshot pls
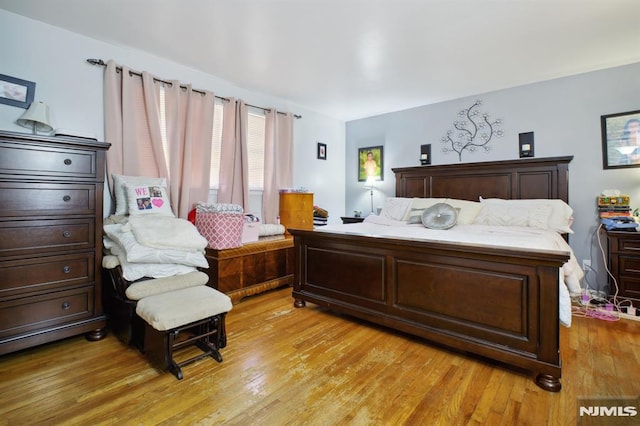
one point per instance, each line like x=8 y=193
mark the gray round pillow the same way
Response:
x=439 y=216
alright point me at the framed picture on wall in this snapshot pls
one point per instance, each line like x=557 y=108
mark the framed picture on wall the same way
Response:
x=322 y=151
x=621 y=140
x=370 y=163
x=16 y=92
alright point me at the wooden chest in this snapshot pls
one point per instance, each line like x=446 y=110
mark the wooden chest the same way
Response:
x=252 y=268
x=51 y=196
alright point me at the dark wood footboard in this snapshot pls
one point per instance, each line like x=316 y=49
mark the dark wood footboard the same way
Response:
x=498 y=303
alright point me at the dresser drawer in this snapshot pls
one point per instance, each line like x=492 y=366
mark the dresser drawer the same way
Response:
x=39 y=312
x=42 y=160
x=33 y=236
x=629 y=245
x=629 y=265
x=38 y=199
x=24 y=276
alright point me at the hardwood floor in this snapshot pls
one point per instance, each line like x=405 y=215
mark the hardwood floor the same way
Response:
x=307 y=366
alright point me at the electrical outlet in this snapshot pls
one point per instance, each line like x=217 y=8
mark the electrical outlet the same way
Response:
x=586 y=265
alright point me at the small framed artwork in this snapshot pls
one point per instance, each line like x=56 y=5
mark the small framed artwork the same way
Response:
x=620 y=140
x=322 y=151
x=370 y=163
x=16 y=92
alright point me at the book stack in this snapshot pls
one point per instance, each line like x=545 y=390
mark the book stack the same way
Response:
x=320 y=216
x=617 y=206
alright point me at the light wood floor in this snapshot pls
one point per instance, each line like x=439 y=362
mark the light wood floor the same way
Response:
x=307 y=366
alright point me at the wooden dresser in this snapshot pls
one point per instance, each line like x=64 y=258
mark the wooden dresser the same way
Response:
x=624 y=263
x=51 y=196
x=296 y=210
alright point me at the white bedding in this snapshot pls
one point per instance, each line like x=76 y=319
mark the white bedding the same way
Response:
x=498 y=236
x=166 y=232
x=154 y=246
x=138 y=253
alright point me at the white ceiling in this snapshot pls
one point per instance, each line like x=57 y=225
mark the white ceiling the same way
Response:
x=350 y=59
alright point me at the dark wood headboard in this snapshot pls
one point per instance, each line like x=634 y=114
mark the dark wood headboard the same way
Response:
x=512 y=179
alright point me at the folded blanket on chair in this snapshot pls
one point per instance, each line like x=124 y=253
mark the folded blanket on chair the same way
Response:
x=167 y=232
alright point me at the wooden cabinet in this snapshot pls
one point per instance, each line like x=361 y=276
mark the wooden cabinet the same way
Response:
x=296 y=210
x=51 y=193
x=624 y=263
x=252 y=268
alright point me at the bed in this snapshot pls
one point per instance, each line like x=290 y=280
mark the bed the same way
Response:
x=498 y=302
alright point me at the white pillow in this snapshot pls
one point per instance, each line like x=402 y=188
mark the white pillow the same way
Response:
x=468 y=210
x=511 y=215
x=417 y=207
x=145 y=200
x=120 y=183
x=558 y=214
x=395 y=208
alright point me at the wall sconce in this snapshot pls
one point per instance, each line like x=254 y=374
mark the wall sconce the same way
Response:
x=37 y=117
x=425 y=154
x=526 y=144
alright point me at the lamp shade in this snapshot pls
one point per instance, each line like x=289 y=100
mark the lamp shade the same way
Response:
x=371 y=182
x=37 y=117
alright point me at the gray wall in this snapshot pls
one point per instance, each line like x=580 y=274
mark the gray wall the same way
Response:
x=564 y=115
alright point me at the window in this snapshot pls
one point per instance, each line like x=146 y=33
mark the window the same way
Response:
x=255 y=144
x=255 y=148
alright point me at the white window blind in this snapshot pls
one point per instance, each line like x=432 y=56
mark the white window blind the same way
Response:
x=255 y=148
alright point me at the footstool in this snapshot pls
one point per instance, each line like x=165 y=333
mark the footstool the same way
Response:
x=193 y=316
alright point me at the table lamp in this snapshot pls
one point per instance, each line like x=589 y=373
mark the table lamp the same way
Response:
x=37 y=117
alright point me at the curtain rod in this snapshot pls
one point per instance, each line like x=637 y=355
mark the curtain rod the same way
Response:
x=100 y=62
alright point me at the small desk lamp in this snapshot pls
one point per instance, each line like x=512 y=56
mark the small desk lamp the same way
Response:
x=36 y=117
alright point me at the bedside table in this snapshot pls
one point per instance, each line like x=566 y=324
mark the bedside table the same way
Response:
x=351 y=219
x=624 y=263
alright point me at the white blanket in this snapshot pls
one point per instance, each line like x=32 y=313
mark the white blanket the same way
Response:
x=138 y=253
x=484 y=235
x=165 y=232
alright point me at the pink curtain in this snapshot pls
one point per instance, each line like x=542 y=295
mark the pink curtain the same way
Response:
x=278 y=162
x=133 y=127
x=234 y=175
x=189 y=143
x=132 y=112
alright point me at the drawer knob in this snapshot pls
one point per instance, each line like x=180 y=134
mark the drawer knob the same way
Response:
x=67 y=161
x=66 y=234
x=66 y=305
x=66 y=198
x=66 y=269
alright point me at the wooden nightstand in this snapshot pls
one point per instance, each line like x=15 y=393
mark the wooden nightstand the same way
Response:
x=624 y=263
x=351 y=219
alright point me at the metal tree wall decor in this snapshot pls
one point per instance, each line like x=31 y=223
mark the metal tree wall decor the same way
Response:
x=474 y=130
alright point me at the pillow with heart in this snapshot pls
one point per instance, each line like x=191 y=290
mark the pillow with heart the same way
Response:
x=144 y=199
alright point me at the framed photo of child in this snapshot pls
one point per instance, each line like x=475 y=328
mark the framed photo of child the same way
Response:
x=370 y=163
x=621 y=140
